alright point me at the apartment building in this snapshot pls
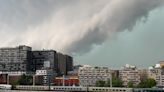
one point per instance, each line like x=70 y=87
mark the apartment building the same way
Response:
x=157 y=72
x=15 y=59
x=89 y=75
x=129 y=73
x=143 y=74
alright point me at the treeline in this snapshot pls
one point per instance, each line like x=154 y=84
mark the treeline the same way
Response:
x=117 y=82
x=23 y=80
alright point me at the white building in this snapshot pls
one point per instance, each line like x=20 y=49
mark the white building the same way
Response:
x=89 y=75
x=47 y=75
x=17 y=73
x=44 y=72
x=129 y=73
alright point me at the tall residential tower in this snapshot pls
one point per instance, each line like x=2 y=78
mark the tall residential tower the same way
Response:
x=15 y=59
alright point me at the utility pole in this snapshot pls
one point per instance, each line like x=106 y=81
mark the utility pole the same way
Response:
x=87 y=86
x=49 y=82
x=8 y=78
x=63 y=80
x=87 y=89
x=110 y=79
x=34 y=80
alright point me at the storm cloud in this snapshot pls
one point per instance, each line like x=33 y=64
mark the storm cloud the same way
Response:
x=70 y=26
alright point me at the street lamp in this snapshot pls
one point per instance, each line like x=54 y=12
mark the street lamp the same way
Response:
x=49 y=75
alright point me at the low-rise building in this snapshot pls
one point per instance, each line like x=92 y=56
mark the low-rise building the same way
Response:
x=128 y=74
x=66 y=81
x=157 y=73
x=3 y=78
x=143 y=74
x=47 y=76
x=89 y=75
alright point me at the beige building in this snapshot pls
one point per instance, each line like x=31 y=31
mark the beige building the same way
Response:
x=157 y=73
x=89 y=75
x=161 y=63
x=129 y=73
x=143 y=74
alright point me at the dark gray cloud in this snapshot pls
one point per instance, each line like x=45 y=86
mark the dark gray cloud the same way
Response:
x=69 y=26
x=116 y=16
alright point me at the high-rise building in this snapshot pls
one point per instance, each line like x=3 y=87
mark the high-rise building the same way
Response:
x=15 y=59
x=44 y=59
x=22 y=59
x=69 y=63
x=129 y=74
x=62 y=64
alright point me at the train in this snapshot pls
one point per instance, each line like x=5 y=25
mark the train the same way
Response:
x=5 y=87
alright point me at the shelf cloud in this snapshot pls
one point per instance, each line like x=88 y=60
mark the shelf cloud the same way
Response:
x=73 y=26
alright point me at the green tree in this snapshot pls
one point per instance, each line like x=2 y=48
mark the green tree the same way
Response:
x=117 y=82
x=25 y=80
x=130 y=84
x=14 y=82
x=148 y=83
x=100 y=83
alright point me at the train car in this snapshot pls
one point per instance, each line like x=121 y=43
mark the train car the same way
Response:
x=5 y=86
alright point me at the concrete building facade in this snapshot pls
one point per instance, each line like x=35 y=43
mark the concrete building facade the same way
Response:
x=15 y=59
x=129 y=73
x=143 y=74
x=157 y=73
x=89 y=75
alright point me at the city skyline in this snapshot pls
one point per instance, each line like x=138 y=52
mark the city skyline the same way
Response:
x=106 y=33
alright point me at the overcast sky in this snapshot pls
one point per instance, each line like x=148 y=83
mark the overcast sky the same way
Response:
x=96 y=32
